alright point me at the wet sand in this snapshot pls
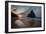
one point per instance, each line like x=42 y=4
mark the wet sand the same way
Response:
x=26 y=23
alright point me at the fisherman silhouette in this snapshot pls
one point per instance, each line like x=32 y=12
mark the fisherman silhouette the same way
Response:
x=31 y=14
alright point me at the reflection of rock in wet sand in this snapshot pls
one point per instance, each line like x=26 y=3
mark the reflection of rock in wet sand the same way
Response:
x=28 y=22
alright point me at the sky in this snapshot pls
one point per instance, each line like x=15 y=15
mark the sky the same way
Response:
x=27 y=9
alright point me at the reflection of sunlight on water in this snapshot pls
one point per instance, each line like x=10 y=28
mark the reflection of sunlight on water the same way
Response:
x=21 y=15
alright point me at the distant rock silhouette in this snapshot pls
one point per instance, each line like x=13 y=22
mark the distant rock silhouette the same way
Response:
x=31 y=14
x=13 y=15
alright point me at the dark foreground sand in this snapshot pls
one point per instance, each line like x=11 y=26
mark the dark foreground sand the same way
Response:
x=26 y=23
